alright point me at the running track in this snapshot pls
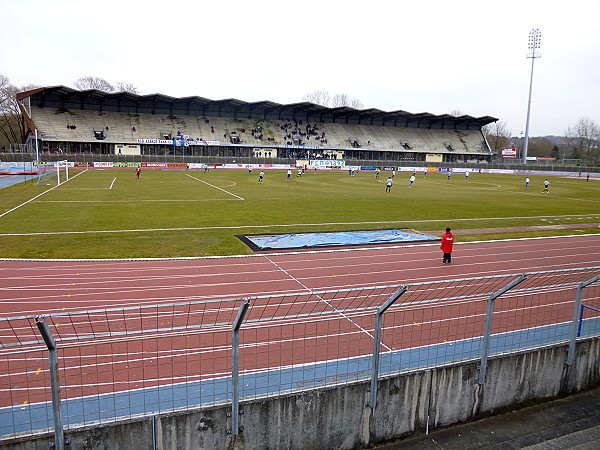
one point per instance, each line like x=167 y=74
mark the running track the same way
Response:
x=43 y=287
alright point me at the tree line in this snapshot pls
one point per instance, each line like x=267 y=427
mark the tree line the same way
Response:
x=580 y=141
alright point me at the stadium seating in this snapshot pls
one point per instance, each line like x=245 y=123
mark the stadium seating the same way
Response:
x=124 y=128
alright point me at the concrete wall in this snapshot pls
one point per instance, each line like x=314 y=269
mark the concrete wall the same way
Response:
x=339 y=418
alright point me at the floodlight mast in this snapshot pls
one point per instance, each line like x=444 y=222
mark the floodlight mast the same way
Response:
x=535 y=37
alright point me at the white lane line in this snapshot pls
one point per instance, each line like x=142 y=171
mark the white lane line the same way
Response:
x=213 y=186
x=341 y=313
x=111 y=184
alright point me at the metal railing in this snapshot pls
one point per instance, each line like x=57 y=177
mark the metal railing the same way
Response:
x=67 y=370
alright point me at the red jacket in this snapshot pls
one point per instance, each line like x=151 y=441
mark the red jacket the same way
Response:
x=447 y=241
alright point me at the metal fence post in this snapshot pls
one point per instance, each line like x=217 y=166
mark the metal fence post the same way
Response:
x=574 y=325
x=488 y=325
x=235 y=375
x=59 y=438
x=377 y=342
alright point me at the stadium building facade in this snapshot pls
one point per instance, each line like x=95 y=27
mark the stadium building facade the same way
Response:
x=94 y=122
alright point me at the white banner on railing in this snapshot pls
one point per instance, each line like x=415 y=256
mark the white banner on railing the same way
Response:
x=327 y=163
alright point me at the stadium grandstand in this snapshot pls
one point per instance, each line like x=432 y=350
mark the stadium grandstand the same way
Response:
x=99 y=123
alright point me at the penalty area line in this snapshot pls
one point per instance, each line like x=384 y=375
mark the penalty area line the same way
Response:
x=39 y=195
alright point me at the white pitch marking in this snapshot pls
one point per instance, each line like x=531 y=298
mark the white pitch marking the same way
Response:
x=39 y=195
x=138 y=201
x=238 y=227
x=113 y=182
x=212 y=185
x=323 y=300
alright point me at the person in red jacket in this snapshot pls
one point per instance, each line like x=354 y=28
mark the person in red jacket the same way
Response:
x=447 y=241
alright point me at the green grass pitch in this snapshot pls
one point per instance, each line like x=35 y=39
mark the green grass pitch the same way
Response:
x=111 y=214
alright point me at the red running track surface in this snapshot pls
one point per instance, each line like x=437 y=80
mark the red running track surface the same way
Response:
x=43 y=287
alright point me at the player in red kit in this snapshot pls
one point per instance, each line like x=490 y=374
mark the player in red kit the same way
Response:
x=137 y=172
x=447 y=241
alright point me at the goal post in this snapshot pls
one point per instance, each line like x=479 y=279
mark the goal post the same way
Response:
x=62 y=165
x=53 y=173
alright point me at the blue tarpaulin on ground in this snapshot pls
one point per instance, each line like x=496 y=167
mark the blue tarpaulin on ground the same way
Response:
x=9 y=180
x=12 y=175
x=335 y=238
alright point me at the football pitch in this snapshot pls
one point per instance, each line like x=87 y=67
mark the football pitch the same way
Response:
x=111 y=214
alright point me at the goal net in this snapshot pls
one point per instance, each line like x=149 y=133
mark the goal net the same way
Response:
x=52 y=174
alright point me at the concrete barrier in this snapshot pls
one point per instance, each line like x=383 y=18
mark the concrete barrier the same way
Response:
x=338 y=417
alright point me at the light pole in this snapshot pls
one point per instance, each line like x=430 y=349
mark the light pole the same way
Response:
x=535 y=38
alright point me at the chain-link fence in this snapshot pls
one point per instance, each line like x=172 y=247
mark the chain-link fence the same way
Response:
x=69 y=370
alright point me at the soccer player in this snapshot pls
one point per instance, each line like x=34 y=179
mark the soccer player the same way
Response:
x=447 y=242
x=411 y=180
x=261 y=175
x=289 y=174
x=527 y=183
x=388 y=185
x=546 y=185
x=138 y=170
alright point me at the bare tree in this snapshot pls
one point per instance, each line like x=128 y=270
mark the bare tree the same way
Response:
x=340 y=100
x=4 y=83
x=317 y=97
x=12 y=126
x=456 y=113
x=497 y=135
x=540 y=147
x=89 y=82
x=356 y=104
x=583 y=139
x=122 y=86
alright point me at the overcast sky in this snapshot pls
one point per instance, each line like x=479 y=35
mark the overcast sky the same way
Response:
x=419 y=56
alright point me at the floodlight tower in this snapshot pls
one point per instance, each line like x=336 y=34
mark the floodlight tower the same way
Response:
x=535 y=38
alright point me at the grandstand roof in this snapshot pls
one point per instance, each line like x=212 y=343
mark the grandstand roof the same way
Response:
x=63 y=97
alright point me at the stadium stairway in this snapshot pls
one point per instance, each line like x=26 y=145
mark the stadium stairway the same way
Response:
x=572 y=422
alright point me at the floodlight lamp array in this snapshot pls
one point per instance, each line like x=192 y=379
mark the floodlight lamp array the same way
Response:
x=535 y=40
